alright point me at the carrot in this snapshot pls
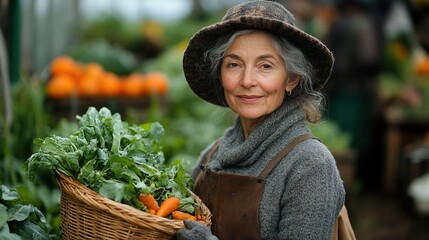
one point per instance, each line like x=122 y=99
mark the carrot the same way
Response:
x=149 y=201
x=167 y=206
x=152 y=211
x=178 y=215
x=200 y=218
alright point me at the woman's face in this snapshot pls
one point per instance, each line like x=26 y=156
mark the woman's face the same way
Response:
x=254 y=76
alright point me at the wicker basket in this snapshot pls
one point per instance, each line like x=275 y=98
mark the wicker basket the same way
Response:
x=87 y=215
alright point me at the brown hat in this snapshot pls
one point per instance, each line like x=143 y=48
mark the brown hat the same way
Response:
x=263 y=15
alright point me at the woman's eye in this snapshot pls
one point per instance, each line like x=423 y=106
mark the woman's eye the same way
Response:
x=266 y=66
x=232 y=65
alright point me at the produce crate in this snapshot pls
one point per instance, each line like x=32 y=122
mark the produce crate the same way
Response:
x=87 y=215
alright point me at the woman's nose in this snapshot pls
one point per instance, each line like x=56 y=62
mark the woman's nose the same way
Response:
x=248 y=78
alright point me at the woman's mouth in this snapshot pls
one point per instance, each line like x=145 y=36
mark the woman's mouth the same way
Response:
x=249 y=98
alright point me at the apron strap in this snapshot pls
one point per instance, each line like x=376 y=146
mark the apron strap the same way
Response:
x=281 y=155
x=273 y=162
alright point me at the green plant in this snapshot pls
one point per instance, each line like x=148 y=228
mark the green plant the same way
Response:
x=29 y=120
x=19 y=220
x=114 y=158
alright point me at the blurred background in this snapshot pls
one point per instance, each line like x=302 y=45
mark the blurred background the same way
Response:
x=57 y=58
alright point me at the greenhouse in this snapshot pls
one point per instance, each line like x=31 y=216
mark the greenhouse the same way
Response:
x=111 y=110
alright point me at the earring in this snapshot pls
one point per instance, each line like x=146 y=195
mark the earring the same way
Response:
x=289 y=93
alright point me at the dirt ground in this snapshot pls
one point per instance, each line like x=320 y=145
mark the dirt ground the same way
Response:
x=375 y=216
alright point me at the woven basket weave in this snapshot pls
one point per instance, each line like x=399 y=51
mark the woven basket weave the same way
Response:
x=87 y=215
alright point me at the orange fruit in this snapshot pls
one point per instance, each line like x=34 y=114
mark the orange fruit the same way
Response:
x=89 y=82
x=88 y=86
x=65 y=65
x=60 y=86
x=132 y=85
x=110 y=84
x=156 y=83
x=93 y=70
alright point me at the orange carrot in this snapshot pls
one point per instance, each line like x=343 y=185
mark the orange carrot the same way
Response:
x=152 y=211
x=183 y=216
x=167 y=206
x=149 y=201
x=200 y=218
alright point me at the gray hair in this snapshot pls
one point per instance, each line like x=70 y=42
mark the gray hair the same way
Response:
x=311 y=101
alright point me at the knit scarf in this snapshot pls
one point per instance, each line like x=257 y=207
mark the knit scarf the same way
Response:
x=279 y=127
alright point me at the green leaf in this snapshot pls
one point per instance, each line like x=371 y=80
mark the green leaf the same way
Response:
x=39 y=215
x=142 y=187
x=19 y=212
x=117 y=132
x=9 y=194
x=5 y=234
x=187 y=205
x=55 y=153
x=18 y=221
x=30 y=231
x=149 y=170
x=87 y=171
x=113 y=189
x=3 y=215
x=156 y=130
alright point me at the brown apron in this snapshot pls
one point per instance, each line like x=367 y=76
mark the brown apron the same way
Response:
x=234 y=199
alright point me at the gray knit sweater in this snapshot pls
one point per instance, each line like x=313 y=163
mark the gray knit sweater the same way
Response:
x=303 y=194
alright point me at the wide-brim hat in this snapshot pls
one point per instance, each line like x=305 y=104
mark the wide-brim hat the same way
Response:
x=263 y=15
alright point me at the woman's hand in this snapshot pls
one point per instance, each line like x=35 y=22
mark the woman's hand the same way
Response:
x=194 y=230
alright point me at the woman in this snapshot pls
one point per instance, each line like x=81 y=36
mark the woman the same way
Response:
x=262 y=67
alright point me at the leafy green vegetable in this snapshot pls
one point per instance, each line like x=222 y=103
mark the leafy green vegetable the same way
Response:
x=115 y=159
x=20 y=221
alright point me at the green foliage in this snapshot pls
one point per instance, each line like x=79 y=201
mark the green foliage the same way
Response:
x=29 y=120
x=18 y=220
x=331 y=135
x=142 y=38
x=114 y=158
x=16 y=143
x=113 y=58
x=111 y=28
x=177 y=31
